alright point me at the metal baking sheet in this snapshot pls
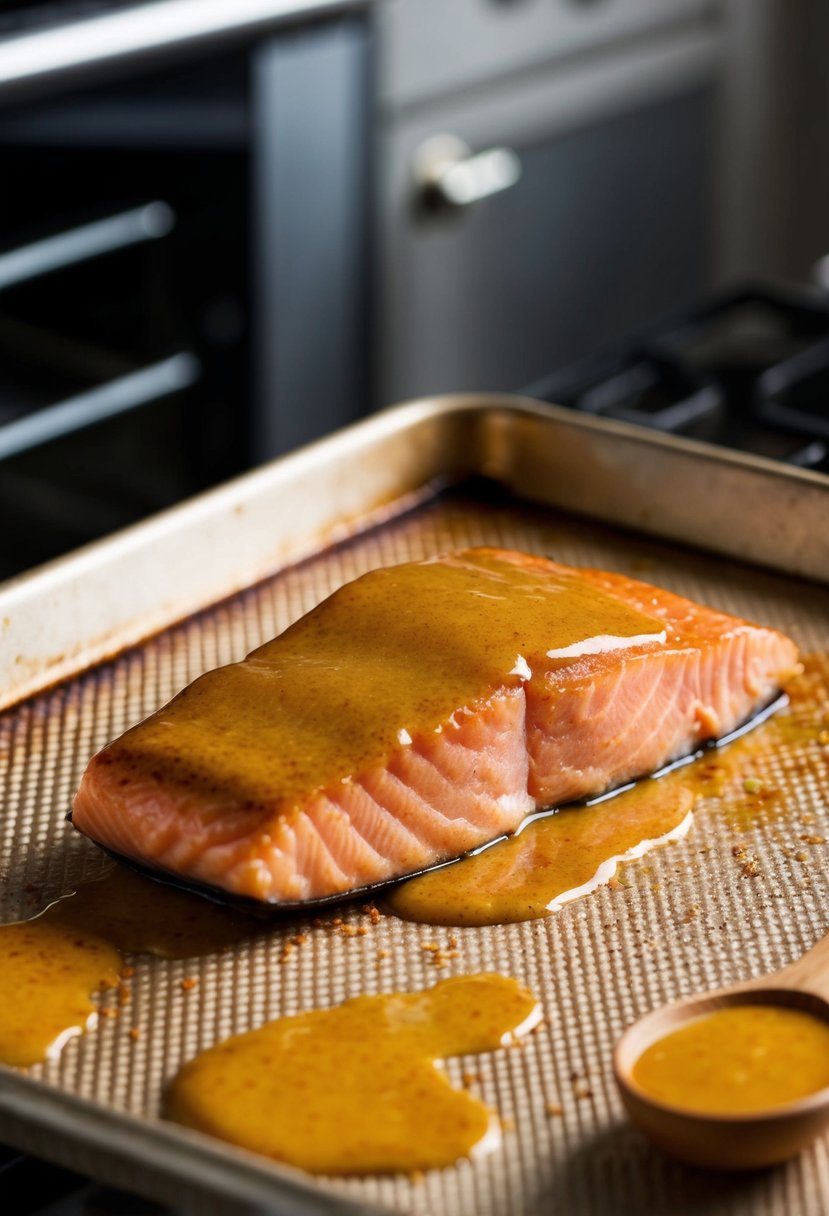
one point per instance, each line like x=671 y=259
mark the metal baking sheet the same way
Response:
x=204 y=584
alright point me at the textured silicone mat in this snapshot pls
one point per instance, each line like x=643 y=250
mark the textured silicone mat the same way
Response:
x=688 y=917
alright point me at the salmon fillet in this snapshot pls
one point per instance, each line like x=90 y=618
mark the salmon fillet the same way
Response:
x=417 y=713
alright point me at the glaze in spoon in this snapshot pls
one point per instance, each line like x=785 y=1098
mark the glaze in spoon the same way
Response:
x=737 y=1078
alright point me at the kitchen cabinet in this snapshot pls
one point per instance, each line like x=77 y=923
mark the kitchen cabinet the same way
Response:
x=431 y=48
x=616 y=116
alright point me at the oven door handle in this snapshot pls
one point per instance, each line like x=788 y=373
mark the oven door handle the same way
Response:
x=118 y=396
x=110 y=235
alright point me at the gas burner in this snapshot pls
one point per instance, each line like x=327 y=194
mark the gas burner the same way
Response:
x=795 y=393
x=747 y=369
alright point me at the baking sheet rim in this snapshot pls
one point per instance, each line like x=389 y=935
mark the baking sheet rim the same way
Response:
x=68 y=615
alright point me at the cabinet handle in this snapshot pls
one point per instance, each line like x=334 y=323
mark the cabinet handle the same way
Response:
x=447 y=174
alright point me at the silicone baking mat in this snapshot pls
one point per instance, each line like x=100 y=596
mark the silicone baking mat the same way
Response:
x=691 y=915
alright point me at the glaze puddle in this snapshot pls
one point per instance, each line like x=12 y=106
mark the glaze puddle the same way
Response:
x=55 y=970
x=73 y=951
x=551 y=861
x=355 y=1089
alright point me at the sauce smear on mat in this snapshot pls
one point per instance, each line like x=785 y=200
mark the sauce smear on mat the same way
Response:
x=738 y=1060
x=74 y=950
x=355 y=1089
x=49 y=973
x=140 y=916
x=554 y=859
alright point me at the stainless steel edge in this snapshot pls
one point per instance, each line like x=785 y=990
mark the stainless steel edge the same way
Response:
x=113 y=593
x=74 y=47
x=109 y=595
x=728 y=502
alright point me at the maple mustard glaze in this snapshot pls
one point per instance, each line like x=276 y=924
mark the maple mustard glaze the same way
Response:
x=355 y=1089
x=551 y=861
x=738 y=1060
x=338 y=691
x=64 y=959
x=50 y=972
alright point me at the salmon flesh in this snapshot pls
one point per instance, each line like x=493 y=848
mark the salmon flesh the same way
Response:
x=419 y=712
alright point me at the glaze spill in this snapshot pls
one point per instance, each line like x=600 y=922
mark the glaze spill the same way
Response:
x=553 y=860
x=355 y=1089
x=55 y=970
x=561 y=856
x=73 y=951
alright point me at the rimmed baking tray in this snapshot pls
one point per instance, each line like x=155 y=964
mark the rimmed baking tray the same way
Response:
x=125 y=623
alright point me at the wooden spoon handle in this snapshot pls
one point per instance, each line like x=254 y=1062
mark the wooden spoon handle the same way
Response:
x=810 y=973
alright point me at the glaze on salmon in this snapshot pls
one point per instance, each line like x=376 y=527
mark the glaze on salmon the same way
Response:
x=420 y=711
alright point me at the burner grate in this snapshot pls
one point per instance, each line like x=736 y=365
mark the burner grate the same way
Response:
x=748 y=369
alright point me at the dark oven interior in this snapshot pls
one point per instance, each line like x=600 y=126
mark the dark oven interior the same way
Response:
x=156 y=222
x=123 y=332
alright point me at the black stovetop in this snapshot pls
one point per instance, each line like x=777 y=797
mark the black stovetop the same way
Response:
x=747 y=369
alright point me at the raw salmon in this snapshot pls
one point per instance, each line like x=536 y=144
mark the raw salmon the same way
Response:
x=419 y=712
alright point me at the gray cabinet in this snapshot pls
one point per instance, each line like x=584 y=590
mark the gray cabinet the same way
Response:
x=612 y=221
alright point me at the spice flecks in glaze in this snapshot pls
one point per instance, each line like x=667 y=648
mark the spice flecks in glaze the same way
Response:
x=355 y=1089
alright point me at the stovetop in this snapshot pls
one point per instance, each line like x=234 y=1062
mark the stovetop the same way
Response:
x=747 y=369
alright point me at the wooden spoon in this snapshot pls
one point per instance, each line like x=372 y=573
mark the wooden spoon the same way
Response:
x=727 y=1141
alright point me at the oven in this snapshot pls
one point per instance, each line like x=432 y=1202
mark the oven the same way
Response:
x=163 y=225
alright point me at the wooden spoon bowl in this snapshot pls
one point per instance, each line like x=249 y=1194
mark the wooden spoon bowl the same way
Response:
x=730 y=1141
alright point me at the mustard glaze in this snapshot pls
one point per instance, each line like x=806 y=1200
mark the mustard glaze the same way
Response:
x=72 y=952
x=336 y=693
x=552 y=860
x=355 y=1089
x=738 y=1060
x=50 y=972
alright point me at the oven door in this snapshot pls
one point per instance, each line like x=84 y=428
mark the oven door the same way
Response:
x=96 y=394
x=181 y=288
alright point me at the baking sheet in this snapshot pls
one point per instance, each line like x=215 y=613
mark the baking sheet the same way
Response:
x=689 y=919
